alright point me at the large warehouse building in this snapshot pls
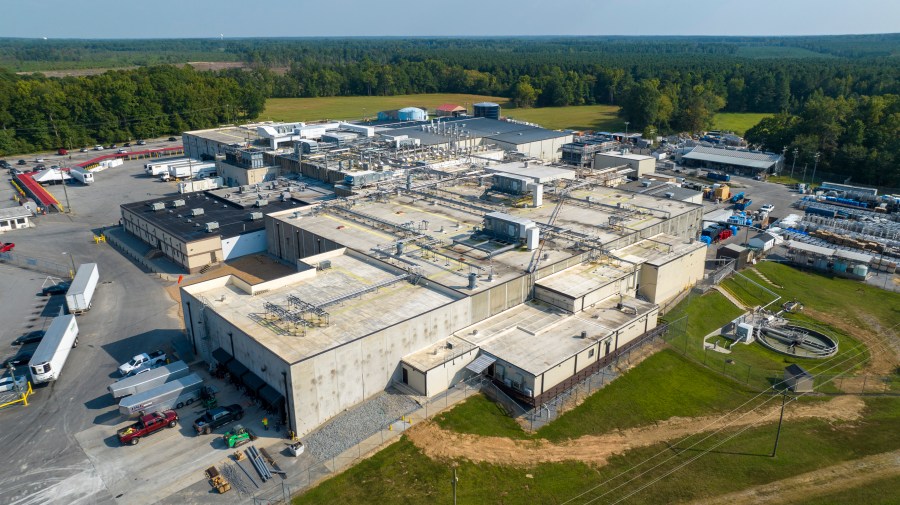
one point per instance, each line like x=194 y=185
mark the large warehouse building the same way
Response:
x=736 y=161
x=429 y=283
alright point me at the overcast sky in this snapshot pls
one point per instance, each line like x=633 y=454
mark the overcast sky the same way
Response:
x=302 y=18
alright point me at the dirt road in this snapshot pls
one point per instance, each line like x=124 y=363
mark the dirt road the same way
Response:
x=824 y=481
x=596 y=449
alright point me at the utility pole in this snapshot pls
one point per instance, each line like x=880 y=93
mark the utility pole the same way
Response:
x=793 y=163
x=783 y=157
x=780 y=419
x=804 y=172
x=815 y=165
x=454 y=481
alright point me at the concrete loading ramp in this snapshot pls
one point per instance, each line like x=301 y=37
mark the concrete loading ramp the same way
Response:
x=798 y=341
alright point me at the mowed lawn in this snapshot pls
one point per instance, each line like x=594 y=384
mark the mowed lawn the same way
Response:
x=359 y=107
x=576 y=117
x=738 y=122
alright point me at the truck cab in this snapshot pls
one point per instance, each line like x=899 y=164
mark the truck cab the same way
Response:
x=146 y=425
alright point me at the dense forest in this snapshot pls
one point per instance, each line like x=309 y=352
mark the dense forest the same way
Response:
x=664 y=84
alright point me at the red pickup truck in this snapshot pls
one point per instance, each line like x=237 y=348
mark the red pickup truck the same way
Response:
x=146 y=425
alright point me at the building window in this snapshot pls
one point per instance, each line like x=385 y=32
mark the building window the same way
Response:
x=591 y=353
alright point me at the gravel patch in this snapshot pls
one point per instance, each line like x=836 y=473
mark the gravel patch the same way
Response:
x=360 y=422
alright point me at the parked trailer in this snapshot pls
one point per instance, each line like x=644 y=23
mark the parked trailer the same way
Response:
x=148 y=380
x=81 y=293
x=156 y=168
x=194 y=169
x=718 y=177
x=48 y=359
x=81 y=175
x=171 y=395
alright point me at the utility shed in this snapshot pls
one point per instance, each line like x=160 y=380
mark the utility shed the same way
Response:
x=736 y=252
x=762 y=242
x=797 y=379
x=14 y=218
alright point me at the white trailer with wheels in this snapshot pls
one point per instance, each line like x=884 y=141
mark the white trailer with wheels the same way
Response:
x=81 y=292
x=148 y=380
x=51 y=354
x=171 y=395
x=81 y=175
x=156 y=168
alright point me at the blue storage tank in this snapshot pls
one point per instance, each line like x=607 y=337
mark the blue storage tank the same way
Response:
x=488 y=110
x=412 y=114
x=706 y=240
x=840 y=266
x=734 y=230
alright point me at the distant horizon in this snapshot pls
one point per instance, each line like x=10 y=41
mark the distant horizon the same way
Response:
x=511 y=36
x=171 y=19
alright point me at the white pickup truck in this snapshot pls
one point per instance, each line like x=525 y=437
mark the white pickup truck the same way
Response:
x=142 y=361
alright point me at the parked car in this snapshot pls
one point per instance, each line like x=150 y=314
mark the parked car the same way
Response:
x=98 y=147
x=39 y=160
x=6 y=382
x=126 y=144
x=4 y=164
x=172 y=139
x=56 y=289
x=767 y=207
x=122 y=151
x=141 y=143
x=143 y=360
x=29 y=338
x=20 y=359
x=213 y=418
x=62 y=152
x=84 y=149
x=23 y=162
x=7 y=247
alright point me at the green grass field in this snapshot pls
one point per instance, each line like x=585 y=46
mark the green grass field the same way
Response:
x=358 y=107
x=581 y=117
x=480 y=416
x=401 y=473
x=738 y=122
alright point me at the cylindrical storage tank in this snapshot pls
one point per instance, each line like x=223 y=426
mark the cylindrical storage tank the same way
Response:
x=840 y=266
x=488 y=110
x=861 y=270
x=412 y=114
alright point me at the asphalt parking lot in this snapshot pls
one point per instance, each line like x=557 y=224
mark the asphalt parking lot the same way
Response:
x=60 y=448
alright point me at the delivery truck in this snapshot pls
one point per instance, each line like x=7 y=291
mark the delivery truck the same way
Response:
x=81 y=292
x=171 y=395
x=51 y=354
x=148 y=379
x=81 y=175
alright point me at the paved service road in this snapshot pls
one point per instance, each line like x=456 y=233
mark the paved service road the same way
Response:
x=131 y=313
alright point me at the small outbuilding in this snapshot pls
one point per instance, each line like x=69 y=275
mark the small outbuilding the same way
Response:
x=15 y=217
x=762 y=242
x=449 y=109
x=797 y=379
x=738 y=253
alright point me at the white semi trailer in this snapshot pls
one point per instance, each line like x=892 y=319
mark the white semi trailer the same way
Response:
x=81 y=175
x=80 y=295
x=50 y=356
x=195 y=169
x=157 y=168
x=148 y=380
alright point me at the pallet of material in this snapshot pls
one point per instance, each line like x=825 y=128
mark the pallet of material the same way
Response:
x=217 y=481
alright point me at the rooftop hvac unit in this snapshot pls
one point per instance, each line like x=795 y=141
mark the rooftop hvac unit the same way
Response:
x=324 y=264
x=261 y=202
x=157 y=206
x=254 y=216
x=197 y=212
x=178 y=203
x=669 y=194
x=212 y=226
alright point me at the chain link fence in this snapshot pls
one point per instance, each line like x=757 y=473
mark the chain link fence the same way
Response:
x=41 y=265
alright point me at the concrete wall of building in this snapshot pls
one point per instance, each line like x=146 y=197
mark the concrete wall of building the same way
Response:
x=512 y=375
x=495 y=300
x=556 y=299
x=446 y=375
x=326 y=384
x=291 y=243
x=662 y=283
x=240 y=176
x=242 y=245
x=549 y=149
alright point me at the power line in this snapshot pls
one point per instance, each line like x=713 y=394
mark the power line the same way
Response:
x=711 y=434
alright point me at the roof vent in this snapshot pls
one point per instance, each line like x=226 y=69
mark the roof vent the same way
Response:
x=212 y=226
x=197 y=212
x=670 y=194
x=178 y=203
x=256 y=216
x=157 y=206
x=261 y=202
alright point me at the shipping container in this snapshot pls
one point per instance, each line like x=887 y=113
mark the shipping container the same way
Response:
x=148 y=380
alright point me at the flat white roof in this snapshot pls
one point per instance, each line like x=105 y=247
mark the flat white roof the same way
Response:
x=629 y=156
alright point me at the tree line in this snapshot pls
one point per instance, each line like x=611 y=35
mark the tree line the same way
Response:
x=39 y=113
